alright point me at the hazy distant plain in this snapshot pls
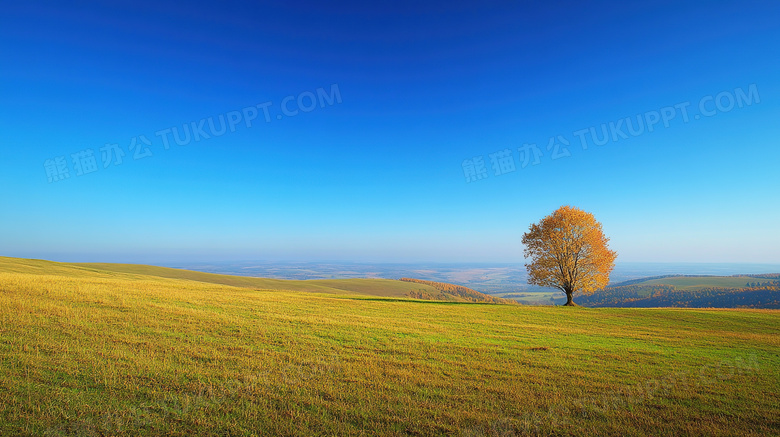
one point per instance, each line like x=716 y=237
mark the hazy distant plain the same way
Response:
x=498 y=278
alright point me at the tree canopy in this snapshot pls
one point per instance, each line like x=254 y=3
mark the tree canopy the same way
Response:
x=568 y=251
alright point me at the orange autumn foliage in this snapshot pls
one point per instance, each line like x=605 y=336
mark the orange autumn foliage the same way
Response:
x=568 y=251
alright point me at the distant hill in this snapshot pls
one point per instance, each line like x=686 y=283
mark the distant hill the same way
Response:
x=447 y=290
x=367 y=287
x=688 y=291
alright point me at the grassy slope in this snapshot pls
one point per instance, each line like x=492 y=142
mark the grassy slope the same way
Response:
x=374 y=287
x=98 y=353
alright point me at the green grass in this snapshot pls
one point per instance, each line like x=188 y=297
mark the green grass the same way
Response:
x=693 y=283
x=91 y=351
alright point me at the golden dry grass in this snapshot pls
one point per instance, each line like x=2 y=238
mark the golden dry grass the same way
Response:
x=92 y=352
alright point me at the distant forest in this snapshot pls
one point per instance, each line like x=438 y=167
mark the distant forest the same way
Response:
x=755 y=294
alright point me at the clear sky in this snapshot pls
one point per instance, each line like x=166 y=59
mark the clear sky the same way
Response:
x=363 y=131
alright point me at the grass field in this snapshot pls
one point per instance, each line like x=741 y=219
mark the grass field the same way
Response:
x=697 y=282
x=89 y=351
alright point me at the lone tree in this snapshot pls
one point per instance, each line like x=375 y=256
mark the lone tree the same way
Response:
x=568 y=251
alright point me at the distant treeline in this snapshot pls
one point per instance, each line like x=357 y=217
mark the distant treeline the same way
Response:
x=765 y=276
x=650 y=278
x=762 y=284
x=645 y=296
x=464 y=293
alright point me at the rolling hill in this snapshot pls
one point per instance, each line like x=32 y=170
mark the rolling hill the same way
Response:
x=87 y=350
x=367 y=287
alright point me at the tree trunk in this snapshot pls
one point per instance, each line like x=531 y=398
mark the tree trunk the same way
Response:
x=569 y=299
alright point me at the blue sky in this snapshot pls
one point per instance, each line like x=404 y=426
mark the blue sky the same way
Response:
x=407 y=96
